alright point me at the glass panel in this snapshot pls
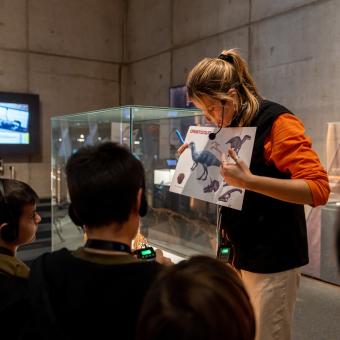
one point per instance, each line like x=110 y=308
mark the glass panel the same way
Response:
x=181 y=224
x=177 y=223
x=323 y=222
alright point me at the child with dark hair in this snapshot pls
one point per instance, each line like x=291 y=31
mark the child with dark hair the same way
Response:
x=18 y=226
x=198 y=299
x=96 y=290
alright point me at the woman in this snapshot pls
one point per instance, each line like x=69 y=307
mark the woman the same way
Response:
x=269 y=235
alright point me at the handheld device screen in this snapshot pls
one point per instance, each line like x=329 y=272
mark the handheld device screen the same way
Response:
x=147 y=253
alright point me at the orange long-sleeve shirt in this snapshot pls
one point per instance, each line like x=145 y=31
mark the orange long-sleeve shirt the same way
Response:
x=291 y=152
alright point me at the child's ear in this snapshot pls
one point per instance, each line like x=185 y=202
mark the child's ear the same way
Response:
x=142 y=203
x=139 y=199
x=3 y=225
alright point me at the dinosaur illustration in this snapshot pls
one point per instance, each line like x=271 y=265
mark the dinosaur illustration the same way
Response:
x=226 y=196
x=236 y=142
x=205 y=157
x=180 y=178
x=213 y=186
x=215 y=146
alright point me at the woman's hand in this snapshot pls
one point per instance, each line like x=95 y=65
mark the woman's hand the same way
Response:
x=236 y=174
x=160 y=258
x=182 y=148
x=289 y=190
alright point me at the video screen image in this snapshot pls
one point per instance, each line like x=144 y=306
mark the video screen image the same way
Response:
x=14 y=120
x=178 y=97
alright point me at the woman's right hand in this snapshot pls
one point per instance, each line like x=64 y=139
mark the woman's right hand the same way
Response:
x=182 y=148
x=160 y=258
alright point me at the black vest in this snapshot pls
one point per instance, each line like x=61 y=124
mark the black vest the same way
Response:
x=269 y=235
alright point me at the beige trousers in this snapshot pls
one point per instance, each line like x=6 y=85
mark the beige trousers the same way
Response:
x=273 y=297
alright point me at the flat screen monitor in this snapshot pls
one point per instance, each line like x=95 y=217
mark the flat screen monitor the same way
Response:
x=19 y=124
x=171 y=163
x=178 y=97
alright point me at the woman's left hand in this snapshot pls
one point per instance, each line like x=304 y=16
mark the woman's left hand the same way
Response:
x=235 y=174
x=289 y=190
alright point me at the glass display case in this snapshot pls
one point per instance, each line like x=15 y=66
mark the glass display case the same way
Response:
x=323 y=222
x=179 y=224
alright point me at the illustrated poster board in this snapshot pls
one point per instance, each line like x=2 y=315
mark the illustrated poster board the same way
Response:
x=198 y=169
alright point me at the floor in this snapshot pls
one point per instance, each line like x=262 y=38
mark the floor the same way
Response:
x=317 y=314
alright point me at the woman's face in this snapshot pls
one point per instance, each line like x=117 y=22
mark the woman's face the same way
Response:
x=212 y=109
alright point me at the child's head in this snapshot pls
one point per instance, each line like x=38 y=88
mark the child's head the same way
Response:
x=106 y=183
x=18 y=216
x=201 y=298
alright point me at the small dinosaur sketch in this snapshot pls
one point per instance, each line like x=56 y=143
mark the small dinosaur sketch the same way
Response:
x=213 y=186
x=236 y=142
x=215 y=146
x=226 y=196
x=180 y=178
x=205 y=157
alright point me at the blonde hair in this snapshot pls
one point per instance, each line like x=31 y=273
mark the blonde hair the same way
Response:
x=216 y=76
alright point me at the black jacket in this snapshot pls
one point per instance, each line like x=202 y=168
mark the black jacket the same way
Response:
x=269 y=235
x=76 y=298
x=14 y=307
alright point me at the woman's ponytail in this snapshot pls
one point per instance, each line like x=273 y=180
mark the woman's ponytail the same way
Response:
x=215 y=76
x=247 y=91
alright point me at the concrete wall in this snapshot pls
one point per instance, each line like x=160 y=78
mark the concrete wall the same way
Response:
x=291 y=46
x=295 y=61
x=68 y=52
x=81 y=55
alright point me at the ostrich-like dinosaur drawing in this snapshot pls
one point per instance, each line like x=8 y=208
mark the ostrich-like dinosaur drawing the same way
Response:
x=226 y=196
x=205 y=157
x=236 y=142
x=215 y=146
x=213 y=186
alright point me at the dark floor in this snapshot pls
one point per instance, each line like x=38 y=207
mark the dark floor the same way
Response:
x=317 y=314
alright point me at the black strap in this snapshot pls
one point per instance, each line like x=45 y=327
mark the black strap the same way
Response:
x=108 y=245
